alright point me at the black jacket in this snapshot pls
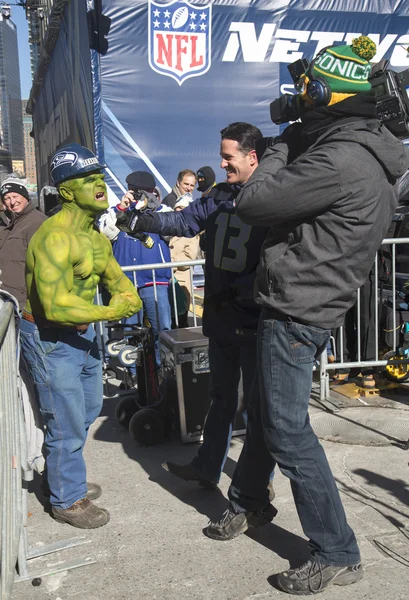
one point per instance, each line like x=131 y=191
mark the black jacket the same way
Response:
x=328 y=212
x=170 y=200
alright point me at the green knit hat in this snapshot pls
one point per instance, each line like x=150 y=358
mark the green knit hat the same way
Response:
x=346 y=68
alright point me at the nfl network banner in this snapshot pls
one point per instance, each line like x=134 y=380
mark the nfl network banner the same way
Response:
x=165 y=77
x=175 y=73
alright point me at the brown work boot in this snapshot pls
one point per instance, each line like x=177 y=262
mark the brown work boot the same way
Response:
x=93 y=490
x=82 y=514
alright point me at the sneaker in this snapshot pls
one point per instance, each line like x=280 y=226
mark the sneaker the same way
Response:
x=188 y=473
x=314 y=577
x=233 y=524
x=93 y=490
x=82 y=514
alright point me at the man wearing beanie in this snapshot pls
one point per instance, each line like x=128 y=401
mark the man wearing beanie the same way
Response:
x=206 y=179
x=327 y=189
x=23 y=221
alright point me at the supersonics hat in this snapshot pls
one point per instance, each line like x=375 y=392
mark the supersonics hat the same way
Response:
x=346 y=68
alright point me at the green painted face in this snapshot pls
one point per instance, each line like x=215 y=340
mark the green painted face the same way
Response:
x=89 y=193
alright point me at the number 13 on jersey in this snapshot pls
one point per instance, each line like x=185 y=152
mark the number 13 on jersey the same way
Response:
x=234 y=241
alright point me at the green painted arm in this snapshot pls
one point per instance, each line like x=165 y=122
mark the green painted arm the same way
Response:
x=116 y=283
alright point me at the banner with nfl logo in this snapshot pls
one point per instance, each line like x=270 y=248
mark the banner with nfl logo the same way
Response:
x=173 y=74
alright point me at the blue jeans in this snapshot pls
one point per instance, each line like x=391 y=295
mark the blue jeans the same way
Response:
x=225 y=363
x=67 y=373
x=160 y=320
x=279 y=431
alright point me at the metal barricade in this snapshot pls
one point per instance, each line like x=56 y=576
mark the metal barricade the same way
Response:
x=15 y=472
x=154 y=267
x=170 y=265
x=11 y=517
x=381 y=294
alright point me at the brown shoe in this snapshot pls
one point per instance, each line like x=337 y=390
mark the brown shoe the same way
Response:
x=93 y=490
x=82 y=514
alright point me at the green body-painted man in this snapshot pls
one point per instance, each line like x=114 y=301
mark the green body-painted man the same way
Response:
x=66 y=259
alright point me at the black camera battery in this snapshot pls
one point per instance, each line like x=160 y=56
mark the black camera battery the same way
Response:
x=186 y=383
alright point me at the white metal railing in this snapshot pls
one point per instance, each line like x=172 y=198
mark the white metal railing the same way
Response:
x=389 y=294
x=325 y=367
x=11 y=517
x=101 y=326
x=15 y=470
x=170 y=265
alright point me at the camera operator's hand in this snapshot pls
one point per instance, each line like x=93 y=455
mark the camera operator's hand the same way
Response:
x=292 y=136
x=261 y=146
x=126 y=200
x=292 y=133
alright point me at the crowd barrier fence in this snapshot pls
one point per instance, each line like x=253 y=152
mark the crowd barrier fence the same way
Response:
x=392 y=294
x=11 y=510
x=15 y=472
x=390 y=291
x=191 y=264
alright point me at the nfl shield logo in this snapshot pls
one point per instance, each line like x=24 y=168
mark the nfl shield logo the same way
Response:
x=179 y=39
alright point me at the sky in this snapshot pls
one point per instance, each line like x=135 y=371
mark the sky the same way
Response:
x=19 y=18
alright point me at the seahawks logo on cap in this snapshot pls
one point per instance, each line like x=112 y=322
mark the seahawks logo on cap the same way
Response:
x=64 y=158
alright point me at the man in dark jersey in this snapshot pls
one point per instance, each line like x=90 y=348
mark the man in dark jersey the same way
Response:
x=230 y=314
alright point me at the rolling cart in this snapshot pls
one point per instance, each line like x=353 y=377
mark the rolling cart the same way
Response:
x=141 y=410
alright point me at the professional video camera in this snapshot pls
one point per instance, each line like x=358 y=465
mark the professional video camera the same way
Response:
x=126 y=220
x=390 y=88
x=392 y=100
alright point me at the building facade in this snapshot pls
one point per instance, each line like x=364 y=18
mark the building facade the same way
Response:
x=37 y=13
x=29 y=147
x=11 y=120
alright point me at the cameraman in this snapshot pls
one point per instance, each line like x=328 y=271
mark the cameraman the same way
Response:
x=131 y=251
x=230 y=314
x=327 y=188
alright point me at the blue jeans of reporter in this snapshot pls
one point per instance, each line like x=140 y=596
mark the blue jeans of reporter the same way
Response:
x=226 y=363
x=279 y=431
x=67 y=373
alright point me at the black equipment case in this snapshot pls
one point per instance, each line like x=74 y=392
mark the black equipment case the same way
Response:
x=185 y=368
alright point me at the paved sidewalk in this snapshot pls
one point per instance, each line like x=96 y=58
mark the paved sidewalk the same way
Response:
x=154 y=549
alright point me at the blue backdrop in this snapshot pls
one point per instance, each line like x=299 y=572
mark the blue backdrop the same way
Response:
x=168 y=76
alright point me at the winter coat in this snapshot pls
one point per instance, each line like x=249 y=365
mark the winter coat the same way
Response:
x=182 y=249
x=232 y=256
x=14 y=239
x=328 y=212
